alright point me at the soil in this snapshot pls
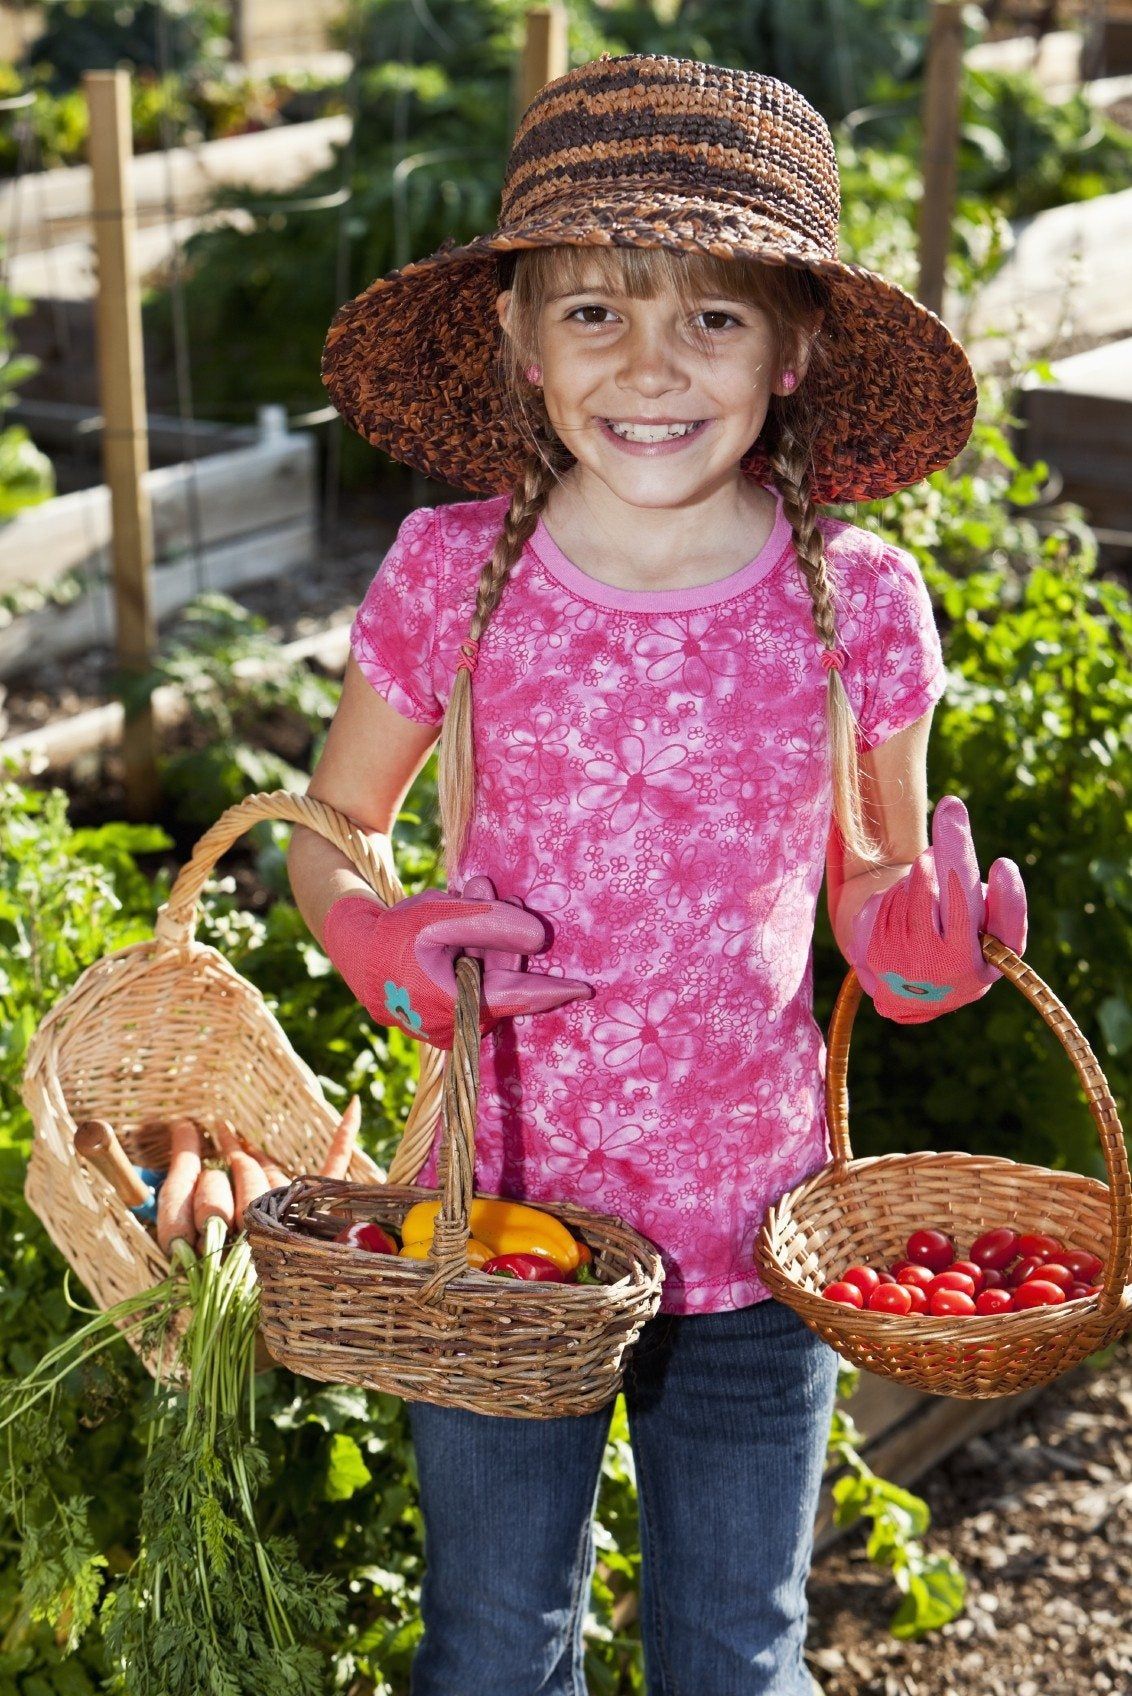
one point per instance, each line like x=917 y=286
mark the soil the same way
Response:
x=1038 y=1513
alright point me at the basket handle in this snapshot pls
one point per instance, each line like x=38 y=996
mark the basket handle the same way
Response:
x=371 y=858
x=456 y=1161
x=1118 y=1265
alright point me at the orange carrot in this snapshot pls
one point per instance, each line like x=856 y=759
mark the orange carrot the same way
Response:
x=175 y=1197
x=277 y=1178
x=342 y=1143
x=213 y=1197
x=249 y=1179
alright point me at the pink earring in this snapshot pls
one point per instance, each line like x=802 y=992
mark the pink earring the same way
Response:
x=533 y=374
x=789 y=381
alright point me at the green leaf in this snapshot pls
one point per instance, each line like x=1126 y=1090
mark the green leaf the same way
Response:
x=346 y=1471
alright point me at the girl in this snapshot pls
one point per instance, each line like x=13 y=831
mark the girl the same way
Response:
x=672 y=692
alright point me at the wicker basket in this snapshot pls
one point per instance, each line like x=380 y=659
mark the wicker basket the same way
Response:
x=436 y=1331
x=864 y=1210
x=166 y=1027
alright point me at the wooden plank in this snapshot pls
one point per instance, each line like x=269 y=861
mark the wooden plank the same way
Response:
x=53 y=632
x=268 y=483
x=125 y=445
x=543 y=56
x=941 y=144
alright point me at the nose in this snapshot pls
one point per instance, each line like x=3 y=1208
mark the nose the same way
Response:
x=652 y=361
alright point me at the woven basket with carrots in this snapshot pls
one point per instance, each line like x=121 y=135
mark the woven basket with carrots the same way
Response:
x=865 y=1215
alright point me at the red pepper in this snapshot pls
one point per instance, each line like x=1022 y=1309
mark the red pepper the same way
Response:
x=535 y=1268
x=367 y=1234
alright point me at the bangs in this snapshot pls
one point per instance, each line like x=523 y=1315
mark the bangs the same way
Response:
x=642 y=273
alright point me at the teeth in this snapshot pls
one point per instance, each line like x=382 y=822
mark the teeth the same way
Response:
x=650 y=432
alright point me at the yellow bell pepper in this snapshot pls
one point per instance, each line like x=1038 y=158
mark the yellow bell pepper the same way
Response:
x=508 y=1227
x=478 y=1253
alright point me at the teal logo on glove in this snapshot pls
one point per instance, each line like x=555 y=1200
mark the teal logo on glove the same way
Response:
x=909 y=990
x=398 y=1004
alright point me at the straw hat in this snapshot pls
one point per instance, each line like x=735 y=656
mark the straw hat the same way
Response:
x=644 y=150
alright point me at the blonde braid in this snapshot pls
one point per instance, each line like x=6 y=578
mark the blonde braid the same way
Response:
x=789 y=461
x=456 y=769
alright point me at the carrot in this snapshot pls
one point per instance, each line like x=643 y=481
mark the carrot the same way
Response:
x=277 y=1178
x=212 y=1197
x=175 y=1198
x=342 y=1143
x=249 y=1179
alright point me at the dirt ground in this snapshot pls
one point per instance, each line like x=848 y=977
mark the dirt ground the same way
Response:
x=1038 y=1513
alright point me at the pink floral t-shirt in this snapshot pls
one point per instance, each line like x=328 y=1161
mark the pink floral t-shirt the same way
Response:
x=653 y=779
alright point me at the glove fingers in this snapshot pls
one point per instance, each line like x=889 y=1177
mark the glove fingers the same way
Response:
x=1006 y=905
x=479 y=889
x=498 y=926
x=953 y=850
x=511 y=994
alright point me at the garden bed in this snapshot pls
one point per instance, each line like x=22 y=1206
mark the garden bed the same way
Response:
x=1038 y=1513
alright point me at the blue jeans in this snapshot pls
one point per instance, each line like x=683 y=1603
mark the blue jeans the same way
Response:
x=729 y=1417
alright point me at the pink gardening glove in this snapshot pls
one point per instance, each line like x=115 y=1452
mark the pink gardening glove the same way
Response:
x=400 y=960
x=916 y=946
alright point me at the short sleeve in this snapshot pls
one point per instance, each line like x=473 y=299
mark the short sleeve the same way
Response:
x=393 y=635
x=904 y=673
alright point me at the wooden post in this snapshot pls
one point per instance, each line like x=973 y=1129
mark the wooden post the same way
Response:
x=544 y=53
x=941 y=140
x=125 y=447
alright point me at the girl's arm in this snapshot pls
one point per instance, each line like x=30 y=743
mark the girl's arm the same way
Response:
x=365 y=770
x=894 y=790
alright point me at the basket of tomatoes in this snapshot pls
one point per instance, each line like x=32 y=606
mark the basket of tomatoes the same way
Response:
x=961 y=1274
x=478 y=1302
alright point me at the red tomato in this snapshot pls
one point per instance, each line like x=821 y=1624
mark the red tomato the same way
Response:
x=1044 y=1248
x=994 y=1301
x=949 y=1303
x=1024 y=1269
x=919 y=1297
x=951 y=1280
x=864 y=1277
x=1035 y=1292
x=1054 y=1273
x=891 y=1298
x=995 y=1248
x=1082 y=1264
x=992 y=1279
x=847 y=1294
x=1076 y=1291
x=886 y=1277
x=915 y=1275
x=898 y=1267
x=972 y=1271
x=933 y=1249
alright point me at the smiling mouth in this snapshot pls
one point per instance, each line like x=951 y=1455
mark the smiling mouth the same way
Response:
x=653 y=432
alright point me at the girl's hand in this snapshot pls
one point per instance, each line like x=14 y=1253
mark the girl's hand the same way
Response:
x=400 y=960
x=916 y=946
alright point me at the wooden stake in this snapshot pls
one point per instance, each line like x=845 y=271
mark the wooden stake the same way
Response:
x=125 y=449
x=941 y=141
x=544 y=53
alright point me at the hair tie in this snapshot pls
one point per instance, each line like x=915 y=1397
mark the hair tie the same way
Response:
x=469 y=653
x=833 y=659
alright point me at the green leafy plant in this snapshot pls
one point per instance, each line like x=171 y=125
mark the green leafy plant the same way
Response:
x=27 y=476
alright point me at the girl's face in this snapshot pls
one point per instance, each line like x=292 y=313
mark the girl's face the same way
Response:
x=608 y=360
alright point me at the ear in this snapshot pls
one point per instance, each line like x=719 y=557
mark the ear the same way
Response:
x=503 y=308
x=806 y=338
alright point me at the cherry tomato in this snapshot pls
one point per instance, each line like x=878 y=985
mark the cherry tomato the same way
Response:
x=1024 y=1269
x=951 y=1280
x=994 y=1301
x=1035 y=1292
x=950 y=1303
x=915 y=1275
x=1076 y=1291
x=972 y=1271
x=993 y=1279
x=1054 y=1273
x=1044 y=1248
x=848 y=1295
x=919 y=1297
x=1082 y=1264
x=864 y=1277
x=995 y=1249
x=886 y=1277
x=891 y=1298
x=898 y=1266
x=367 y=1234
x=933 y=1249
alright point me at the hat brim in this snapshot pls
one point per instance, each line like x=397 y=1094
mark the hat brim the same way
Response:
x=410 y=363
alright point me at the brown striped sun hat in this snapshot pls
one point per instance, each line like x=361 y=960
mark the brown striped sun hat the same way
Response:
x=644 y=150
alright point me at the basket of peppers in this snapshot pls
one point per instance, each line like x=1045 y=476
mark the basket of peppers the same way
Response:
x=478 y=1302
